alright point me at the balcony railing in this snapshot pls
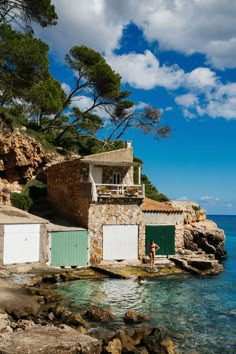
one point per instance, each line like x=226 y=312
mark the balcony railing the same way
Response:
x=120 y=190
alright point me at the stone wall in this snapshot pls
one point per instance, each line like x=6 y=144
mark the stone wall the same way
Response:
x=67 y=194
x=44 y=242
x=112 y=213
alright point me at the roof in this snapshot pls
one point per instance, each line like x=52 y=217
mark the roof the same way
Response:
x=150 y=205
x=11 y=215
x=111 y=163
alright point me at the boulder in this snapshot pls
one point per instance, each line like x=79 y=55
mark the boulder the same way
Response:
x=47 y=340
x=159 y=342
x=114 y=347
x=132 y=316
x=99 y=314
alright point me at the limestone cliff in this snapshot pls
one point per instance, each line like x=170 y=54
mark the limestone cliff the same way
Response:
x=199 y=232
x=21 y=156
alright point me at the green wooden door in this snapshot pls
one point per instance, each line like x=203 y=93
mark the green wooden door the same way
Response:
x=69 y=248
x=164 y=236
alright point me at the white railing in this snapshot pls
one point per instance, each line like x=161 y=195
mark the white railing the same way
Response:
x=120 y=190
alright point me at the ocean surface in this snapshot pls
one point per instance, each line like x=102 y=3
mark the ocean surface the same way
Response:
x=201 y=310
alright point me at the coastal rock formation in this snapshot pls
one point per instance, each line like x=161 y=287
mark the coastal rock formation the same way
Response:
x=200 y=234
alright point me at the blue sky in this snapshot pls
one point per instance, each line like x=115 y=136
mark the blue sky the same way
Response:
x=179 y=56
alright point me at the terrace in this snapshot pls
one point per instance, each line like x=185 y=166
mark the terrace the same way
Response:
x=120 y=191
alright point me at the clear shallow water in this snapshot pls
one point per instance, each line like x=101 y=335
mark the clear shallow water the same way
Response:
x=201 y=309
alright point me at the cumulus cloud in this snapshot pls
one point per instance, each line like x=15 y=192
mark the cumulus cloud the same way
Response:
x=198 y=26
x=187 y=100
x=201 y=78
x=144 y=71
x=195 y=26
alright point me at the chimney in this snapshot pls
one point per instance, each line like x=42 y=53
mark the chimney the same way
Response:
x=128 y=144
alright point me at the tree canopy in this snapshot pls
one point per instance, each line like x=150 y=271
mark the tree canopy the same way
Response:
x=101 y=86
x=23 y=62
x=21 y=13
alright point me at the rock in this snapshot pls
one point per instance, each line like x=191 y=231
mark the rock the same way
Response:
x=99 y=314
x=139 y=333
x=199 y=232
x=51 y=340
x=24 y=324
x=114 y=347
x=206 y=236
x=5 y=323
x=132 y=316
x=126 y=342
x=21 y=156
x=159 y=342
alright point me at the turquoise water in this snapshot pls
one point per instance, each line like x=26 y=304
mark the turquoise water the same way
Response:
x=201 y=309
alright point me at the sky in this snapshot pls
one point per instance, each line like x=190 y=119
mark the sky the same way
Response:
x=178 y=56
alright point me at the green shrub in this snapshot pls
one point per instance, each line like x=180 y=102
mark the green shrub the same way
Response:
x=21 y=201
x=196 y=207
x=35 y=189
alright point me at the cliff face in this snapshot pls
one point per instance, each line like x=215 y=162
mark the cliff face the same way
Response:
x=21 y=156
x=199 y=232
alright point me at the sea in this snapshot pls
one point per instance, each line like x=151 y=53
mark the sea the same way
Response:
x=199 y=311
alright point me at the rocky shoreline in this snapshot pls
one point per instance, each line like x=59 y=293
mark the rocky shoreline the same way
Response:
x=33 y=318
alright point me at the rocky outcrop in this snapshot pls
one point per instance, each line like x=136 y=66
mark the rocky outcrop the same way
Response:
x=205 y=235
x=203 y=242
x=21 y=156
x=200 y=234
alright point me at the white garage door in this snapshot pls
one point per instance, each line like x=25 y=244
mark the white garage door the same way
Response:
x=21 y=243
x=120 y=242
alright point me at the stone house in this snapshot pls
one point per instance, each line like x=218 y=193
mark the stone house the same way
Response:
x=98 y=192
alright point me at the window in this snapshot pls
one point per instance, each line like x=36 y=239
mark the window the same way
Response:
x=116 y=178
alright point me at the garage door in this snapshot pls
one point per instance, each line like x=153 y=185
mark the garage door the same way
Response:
x=21 y=243
x=69 y=248
x=164 y=236
x=120 y=242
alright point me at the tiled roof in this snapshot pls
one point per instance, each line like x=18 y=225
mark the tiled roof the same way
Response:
x=150 y=205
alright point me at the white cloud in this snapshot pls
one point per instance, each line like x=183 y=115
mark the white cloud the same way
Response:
x=189 y=27
x=214 y=204
x=187 y=100
x=201 y=78
x=144 y=71
x=196 y=26
x=209 y=198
